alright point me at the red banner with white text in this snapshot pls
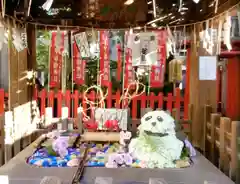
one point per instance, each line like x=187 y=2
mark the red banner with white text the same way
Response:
x=78 y=66
x=119 y=62
x=104 y=59
x=56 y=60
x=129 y=75
x=157 y=71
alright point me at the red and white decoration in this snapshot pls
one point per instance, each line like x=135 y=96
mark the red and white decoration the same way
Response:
x=56 y=59
x=78 y=66
x=119 y=62
x=104 y=59
x=157 y=71
x=129 y=75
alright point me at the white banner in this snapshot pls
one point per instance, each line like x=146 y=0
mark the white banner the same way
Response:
x=82 y=43
x=144 y=48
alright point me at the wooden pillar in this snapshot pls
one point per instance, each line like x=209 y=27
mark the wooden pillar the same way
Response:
x=31 y=57
x=233 y=88
x=187 y=82
x=17 y=66
x=200 y=92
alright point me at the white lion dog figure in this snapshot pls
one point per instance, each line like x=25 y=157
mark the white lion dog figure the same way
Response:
x=156 y=145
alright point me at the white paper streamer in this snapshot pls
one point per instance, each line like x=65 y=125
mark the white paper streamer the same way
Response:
x=219 y=39
x=227 y=29
x=171 y=40
x=238 y=15
x=180 y=5
x=3 y=7
x=216 y=6
x=2 y=37
x=47 y=5
x=18 y=42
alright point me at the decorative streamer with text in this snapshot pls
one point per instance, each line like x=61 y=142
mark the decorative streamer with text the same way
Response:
x=157 y=71
x=119 y=62
x=55 y=61
x=129 y=75
x=78 y=66
x=104 y=58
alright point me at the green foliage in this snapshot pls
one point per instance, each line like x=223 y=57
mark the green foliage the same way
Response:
x=51 y=151
x=42 y=49
x=185 y=153
x=42 y=52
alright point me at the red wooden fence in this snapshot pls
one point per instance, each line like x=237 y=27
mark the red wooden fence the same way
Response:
x=73 y=100
x=57 y=100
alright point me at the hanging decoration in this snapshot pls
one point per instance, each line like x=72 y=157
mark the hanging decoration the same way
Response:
x=3 y=7
x=94 y=45
x=82 y=43
x=157 y=71
x=56 y=60
x=148 y=48
x=171 y=43
x=238 y=15
x=175 y=71
x=29 y=7
x=19 y=39
x=2 y=36
x=78 y=66
x=132 y=41
x=216 y=6
x=58 y=40
x=104 y=58
x=227 y=31
x=119 y=62
x=129 y=76
x=206 y=38
x=47 y=5
x=219 y=38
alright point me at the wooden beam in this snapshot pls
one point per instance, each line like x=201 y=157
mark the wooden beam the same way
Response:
x=51 y=23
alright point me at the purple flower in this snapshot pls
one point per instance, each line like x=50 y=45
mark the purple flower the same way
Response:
x=128 y=160
x=62 y=152
x=60 y=146
x=190 y=147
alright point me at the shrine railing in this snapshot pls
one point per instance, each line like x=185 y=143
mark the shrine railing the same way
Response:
x=57 y=100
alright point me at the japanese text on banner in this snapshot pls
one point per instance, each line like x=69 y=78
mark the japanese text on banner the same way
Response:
x=56 y=60
x=78 y=66
x=119 y=62
x=104 y=58
x=157 y=71
x=129 y=71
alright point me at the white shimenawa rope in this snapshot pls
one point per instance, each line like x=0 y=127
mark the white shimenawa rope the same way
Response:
x=126 y=96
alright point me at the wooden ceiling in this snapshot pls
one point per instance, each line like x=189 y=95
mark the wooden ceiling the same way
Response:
x=113 y=13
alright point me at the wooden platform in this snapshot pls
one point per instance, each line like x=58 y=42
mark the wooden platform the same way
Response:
x=19 y=172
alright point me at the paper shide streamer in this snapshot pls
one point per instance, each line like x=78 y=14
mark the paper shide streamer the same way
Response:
x=19 y=39
x=227 y=30
x=58 y=40
x=47 y=5
x=2 y=36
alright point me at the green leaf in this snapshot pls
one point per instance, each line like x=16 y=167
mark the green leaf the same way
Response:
x=51 y=151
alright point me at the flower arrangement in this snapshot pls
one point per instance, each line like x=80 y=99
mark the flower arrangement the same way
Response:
x=116 y=160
